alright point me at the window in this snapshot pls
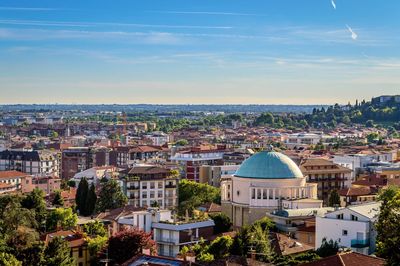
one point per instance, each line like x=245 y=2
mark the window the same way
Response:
x=80 y=252
x=238 y=192
x=144 y=185
x=159 y=194
x=344 y=232
x=144 y=195
x=160 y=184
x=253 y=193
x=354 y=218
x=152 y=185
x=258 y=194
x=152 y=194
x=339 y=216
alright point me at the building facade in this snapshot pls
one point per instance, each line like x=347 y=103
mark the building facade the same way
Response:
x=328 y=175
x=151 y=186
x=265 y=182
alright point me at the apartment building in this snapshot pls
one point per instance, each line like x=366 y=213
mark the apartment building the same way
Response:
x=328 y=175
x=211 y=174
x=351 y=227
x=151 y=185
x=171 y=236
x=43 y=162
x=75 y=160
x=193 y=159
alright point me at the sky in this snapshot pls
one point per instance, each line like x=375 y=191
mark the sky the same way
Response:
x=198 y=51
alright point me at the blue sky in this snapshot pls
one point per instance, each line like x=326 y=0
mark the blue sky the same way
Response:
x=198 y=51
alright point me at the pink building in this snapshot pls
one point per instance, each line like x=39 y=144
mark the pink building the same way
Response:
x=48 y=184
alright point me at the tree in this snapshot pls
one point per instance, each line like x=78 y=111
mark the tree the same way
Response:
x=91 y=200
x=328 y=248
x=35 y=201
x=96 y=244
x=58 y=200
x=57 y=253
x=110 y=197
x=222 y=223
x=95 y=228
x=7 y=259
x=61 y=217
x=126 y=244
x=81 y=196
x=32 y=254
x=182 y=142
x=220 y=247
x=264 y=119
x=334 y=199
x=193 y=194
x=388 y=235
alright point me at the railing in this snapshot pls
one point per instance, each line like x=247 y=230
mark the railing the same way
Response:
x=170 y=186
x=167 y=240
x=133 y=188
x=359 y=243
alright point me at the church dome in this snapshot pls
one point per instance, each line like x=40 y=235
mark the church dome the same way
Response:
x=269 y=165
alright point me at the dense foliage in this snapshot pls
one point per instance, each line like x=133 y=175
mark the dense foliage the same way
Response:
x=193 y=194
x=111 y=196
x=388 y=238
x=126 y=244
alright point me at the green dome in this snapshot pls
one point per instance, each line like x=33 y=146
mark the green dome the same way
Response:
x=269 y=165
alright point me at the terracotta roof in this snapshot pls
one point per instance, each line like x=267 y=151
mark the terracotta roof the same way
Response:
x=356 y=191
x=5 y=185
x=285 y=245
x=140 y=170
x=74 y=239
x=114 y=214
x=348 y=259
x=12 y=174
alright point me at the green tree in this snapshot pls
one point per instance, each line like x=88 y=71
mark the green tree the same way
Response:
x=264 y=119
x=61 y=217
x=58 y=201
x=95 y=228
x=334 y=199
x=220 y=247
x=81 y=196
x=206 y=257
x=388 y=235
x=57 y=253
x=182 y=142
x=97 y=244
x=193 y=194
x=35 y=201
x=222 y=223
x=110 y=196
x=91 y=200
x=7 y=259
x=328 y=248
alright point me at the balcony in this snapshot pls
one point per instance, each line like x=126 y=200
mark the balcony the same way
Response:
x=133 y=188
x=359 y=243
x=166 y=240
x=170 y=186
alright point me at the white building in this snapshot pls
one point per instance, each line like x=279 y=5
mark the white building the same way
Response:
x=143 y=219
x=351 y=227
x=304 y=139
x=356 y=162
x=95 y=174
x=265 y=182
x=158 y=138
x=172 y=236
x=42 y=162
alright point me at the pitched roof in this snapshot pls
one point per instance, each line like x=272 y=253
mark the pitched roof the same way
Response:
x=116 y=213
x=285 y=245
x=347 y=259
x=11 y=174
x=140 y=170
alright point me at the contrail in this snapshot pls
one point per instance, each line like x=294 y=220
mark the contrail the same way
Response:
x=353 y=34
x=333 y=4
